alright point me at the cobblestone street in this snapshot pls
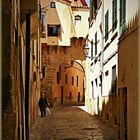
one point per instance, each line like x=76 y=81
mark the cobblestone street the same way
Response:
x=70 y=123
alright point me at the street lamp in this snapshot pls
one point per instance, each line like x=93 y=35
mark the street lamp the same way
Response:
x=86 y=51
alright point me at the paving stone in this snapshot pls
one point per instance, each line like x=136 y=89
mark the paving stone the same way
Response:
x=70 y=123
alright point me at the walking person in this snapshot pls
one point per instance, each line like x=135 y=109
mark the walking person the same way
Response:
x=42 y=104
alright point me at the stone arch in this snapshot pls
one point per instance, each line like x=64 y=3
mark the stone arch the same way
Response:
x=54 y=56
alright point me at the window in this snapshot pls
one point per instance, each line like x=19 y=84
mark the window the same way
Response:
x=96 y=81
x=33 y=49
x=60 y=72
x=77 y=19
x=43 y=23
x=72 y=80
x=39 y=11
x=106 y=25
x=92 y=85
x=95 y=43
x=43 y=26
x=122 y=15
x=36 y=53
x=91 y=49
x=53 y=30
x=66 y=78
x=114 y=80
x=34 y=76
x=106 y=73
x=94 y=6
x=77 y=80
x=100 y=77
x=91 y=11
x=52 y=4
x=57 y=77
x=114 y=14
x=44 y=71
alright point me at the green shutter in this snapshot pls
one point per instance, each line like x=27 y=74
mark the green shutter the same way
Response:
x=114 y=14
x=106 y=25
x=122 y=15
x=95 y=43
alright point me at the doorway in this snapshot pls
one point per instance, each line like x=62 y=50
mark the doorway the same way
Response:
x=78 y=96
x=122 y=114
x=125 y=112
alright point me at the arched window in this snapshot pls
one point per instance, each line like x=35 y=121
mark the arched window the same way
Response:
x=77 y=19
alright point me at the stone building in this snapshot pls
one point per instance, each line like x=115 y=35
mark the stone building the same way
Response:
x=20 y=67
x=64 y=30
x=112 y=65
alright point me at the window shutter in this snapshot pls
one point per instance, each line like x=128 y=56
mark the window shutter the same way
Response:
x=124 y=9
x=120 y=12
x=95 y=43
x=106 y=25
x=122 y=15
x=114 y=14
x=92 y=49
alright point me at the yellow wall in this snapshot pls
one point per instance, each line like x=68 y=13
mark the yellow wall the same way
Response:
x=75 y=70
x=128 y=76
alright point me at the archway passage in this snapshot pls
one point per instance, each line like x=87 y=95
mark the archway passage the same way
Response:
x=57 y=61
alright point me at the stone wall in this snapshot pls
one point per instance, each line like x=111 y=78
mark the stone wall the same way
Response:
x=13 y=71
x=9 y=97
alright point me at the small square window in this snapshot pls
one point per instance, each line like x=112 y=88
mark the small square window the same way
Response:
x=53 y=30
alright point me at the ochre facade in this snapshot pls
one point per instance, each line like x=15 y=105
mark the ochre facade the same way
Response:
x=69 y=84
x=128 y=82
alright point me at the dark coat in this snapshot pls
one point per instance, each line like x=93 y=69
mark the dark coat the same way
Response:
x=42 y=103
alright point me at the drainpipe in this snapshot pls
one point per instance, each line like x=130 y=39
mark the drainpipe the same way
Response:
x=27 y=74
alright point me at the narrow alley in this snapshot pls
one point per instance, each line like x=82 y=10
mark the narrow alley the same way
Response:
x=65 y=54
x=71 y=123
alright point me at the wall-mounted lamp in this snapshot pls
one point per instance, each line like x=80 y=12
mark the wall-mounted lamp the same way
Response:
x=86 y=51
x=51 y=5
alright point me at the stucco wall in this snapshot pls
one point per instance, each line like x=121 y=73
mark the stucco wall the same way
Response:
x=81 y=28
x=68 y=88
x=63 y=15
x=128 y=76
